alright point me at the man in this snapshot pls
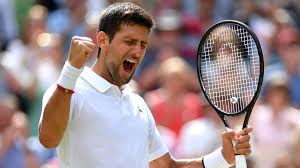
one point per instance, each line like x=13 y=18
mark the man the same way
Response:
x=97 y=121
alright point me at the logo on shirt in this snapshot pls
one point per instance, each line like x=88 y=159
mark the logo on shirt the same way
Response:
x=140 y=110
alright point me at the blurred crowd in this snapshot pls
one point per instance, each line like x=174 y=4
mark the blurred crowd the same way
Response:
x=34 y=43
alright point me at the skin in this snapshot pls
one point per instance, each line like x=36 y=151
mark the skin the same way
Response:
x=128 y=43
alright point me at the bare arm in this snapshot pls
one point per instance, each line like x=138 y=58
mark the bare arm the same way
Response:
x=166 y=161
x=228 y=152
x=55 y=116
x=55 y=119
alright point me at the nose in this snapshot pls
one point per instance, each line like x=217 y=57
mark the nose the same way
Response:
x=138 y=51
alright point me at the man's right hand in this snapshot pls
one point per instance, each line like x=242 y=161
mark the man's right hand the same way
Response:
x=57 y=103
x=80 y=51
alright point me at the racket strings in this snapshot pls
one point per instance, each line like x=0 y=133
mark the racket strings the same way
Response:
x=230 y=67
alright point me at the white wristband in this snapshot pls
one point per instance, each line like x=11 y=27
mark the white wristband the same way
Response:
x=68 y=76
x=215 y=160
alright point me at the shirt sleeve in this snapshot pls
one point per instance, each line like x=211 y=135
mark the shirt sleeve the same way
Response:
x=157 y=147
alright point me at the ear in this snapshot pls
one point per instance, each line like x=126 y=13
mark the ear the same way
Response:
x=102 y=40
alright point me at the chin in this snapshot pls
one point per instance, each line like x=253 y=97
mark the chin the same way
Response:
x=122 y=81
x=125 y=81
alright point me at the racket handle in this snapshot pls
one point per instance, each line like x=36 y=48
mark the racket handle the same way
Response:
x=240 y=161
x=228 y=129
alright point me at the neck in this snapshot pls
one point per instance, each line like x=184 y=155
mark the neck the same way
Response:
x=100 y=69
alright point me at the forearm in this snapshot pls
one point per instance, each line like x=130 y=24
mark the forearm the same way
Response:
x=55 y=119
x=188 y=163
x=221 y=158
x=212 y=160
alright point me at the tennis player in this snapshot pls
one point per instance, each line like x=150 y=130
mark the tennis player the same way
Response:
x=95 y=120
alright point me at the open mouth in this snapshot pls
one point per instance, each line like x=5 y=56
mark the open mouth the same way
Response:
x=128 y=65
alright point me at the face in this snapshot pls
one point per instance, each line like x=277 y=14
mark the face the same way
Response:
x=125 y=51
x=277 y=98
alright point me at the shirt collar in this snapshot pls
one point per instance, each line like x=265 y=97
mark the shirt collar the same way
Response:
x=98 y=82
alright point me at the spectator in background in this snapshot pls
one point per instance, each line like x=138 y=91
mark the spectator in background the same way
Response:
x=169 y=24
x=294 y=151
x=275 y=115
x=91 y=26
x=22 y=55
x=283 y=161
x=287 y=45
x=12 y=150
x=35 y=62
x=148 y=79
x=173 y=104
x=31 y=159
x=21 y=126
x=164 y=42
x=8 y=27
x=290 y=57
x=194 y=27
x=8 y=83
x=46 y=70
x=68 y=21
x=290 y=156
x=205 y=129
x=246 y=12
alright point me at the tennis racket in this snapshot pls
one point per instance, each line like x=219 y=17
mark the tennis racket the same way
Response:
x=230 y=69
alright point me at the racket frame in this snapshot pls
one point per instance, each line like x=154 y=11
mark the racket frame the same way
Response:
x=249 y=107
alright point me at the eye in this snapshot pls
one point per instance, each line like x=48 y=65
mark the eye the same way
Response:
x=143 y=46
x=129 y=42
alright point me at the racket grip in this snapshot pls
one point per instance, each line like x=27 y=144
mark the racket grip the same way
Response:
x=228 y=129
x=240 y=161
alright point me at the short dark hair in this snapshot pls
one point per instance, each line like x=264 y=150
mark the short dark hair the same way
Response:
x=123 y=13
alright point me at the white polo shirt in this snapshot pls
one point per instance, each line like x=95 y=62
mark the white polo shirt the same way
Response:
x=107 y=128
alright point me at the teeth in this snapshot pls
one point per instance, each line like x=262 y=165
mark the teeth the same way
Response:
x=131 y=61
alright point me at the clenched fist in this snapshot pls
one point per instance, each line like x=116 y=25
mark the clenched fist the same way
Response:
x=80 y=50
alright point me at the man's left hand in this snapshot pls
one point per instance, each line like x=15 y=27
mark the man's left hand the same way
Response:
x=236 y=143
